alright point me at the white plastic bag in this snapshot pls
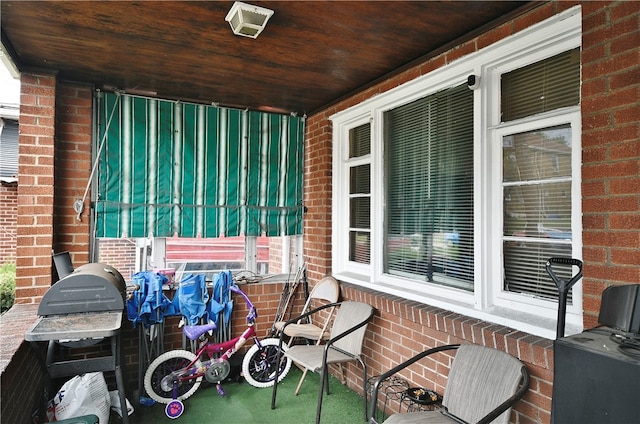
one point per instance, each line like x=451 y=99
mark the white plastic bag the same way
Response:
x=115 y=403
x=83 y=395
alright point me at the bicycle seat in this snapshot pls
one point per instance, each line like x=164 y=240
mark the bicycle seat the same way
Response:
x=194 y=331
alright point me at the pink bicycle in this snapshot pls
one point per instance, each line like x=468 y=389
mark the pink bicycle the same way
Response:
x=175 y=375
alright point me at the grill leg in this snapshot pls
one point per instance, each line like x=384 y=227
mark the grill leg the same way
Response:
x=116 y=348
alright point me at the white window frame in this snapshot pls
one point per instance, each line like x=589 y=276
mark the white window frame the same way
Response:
x=488 y=301
x=291 y=257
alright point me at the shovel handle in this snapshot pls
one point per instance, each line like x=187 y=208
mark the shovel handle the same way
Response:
x=562 y=285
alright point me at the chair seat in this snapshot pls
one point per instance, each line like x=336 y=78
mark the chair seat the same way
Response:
x=311 y=356
x=307 y=331
x=431 y=417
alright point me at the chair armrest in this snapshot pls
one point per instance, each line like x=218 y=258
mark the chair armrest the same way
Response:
x=309 y=313
x=396 y=369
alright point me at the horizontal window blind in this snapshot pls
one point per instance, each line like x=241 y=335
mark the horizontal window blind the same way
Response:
x=429 y=188
x=542 y=86
x=170 y=168
x=360 y=195
x=536 y=207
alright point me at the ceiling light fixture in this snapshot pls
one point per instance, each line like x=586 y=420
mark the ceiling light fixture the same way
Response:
x=247 y=20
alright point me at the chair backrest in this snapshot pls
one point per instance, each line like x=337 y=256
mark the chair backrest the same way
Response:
x=349 y=315
x=326 y=289
x=480 y=379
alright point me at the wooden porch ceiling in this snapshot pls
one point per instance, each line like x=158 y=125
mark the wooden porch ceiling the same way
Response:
x=311 y=54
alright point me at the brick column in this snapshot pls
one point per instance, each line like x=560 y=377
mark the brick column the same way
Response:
x=317 y=195
x=610 y=149
x=8 y=214
x=74 y=111
x=35 y=186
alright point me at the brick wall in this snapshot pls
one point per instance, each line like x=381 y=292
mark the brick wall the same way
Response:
x=74 y=133
x=8 y=222
x=610 y=149
x=35 y=186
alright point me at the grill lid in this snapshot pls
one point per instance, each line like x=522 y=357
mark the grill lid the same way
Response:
x=93 y=287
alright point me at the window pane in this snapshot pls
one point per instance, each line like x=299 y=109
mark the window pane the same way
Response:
x=429 y=188
x=360 y=180
x=360 y=211
x=360 y=141
x=537 y=183
x=537 y=155
x=525 y=270
x=536 y=206
x=209 y=256
x=360 y=195
x=543 y=86
x=359 y=246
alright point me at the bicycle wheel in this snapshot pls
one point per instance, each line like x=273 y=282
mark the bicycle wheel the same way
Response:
x=158 y=381
x=259 y=364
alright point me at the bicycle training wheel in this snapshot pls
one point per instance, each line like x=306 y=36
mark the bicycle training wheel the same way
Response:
x=158 y=381
x=259 y=364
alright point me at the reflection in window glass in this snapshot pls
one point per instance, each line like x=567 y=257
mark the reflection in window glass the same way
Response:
x=536 y=206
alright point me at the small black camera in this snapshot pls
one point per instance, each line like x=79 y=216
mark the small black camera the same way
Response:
x=473 y=82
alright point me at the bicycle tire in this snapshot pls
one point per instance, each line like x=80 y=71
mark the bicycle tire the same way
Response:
x=258 y=365
x=164 y=365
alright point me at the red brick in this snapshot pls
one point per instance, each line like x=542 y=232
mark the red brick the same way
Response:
x=536 y=15
x=461 y=51
x=627 y=256
x=595 y=121
x=625 y=186
x=628 y=114
x=628 y=150
x=494 y=35
x=627 y=221
x=624 y=9
x=627 y=42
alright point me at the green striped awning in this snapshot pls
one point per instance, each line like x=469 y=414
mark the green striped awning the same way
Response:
x=170 y=168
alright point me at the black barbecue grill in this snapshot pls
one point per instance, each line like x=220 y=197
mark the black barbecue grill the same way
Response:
x=82 y=309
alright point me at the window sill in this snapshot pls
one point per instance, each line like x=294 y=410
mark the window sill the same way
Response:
x=516 y=319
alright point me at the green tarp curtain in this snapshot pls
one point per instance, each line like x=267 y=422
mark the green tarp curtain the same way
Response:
x=167 y=168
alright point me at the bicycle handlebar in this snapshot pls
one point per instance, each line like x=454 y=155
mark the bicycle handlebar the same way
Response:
x=253 y=313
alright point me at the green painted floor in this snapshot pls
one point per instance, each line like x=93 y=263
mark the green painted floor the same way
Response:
x=244 y=404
